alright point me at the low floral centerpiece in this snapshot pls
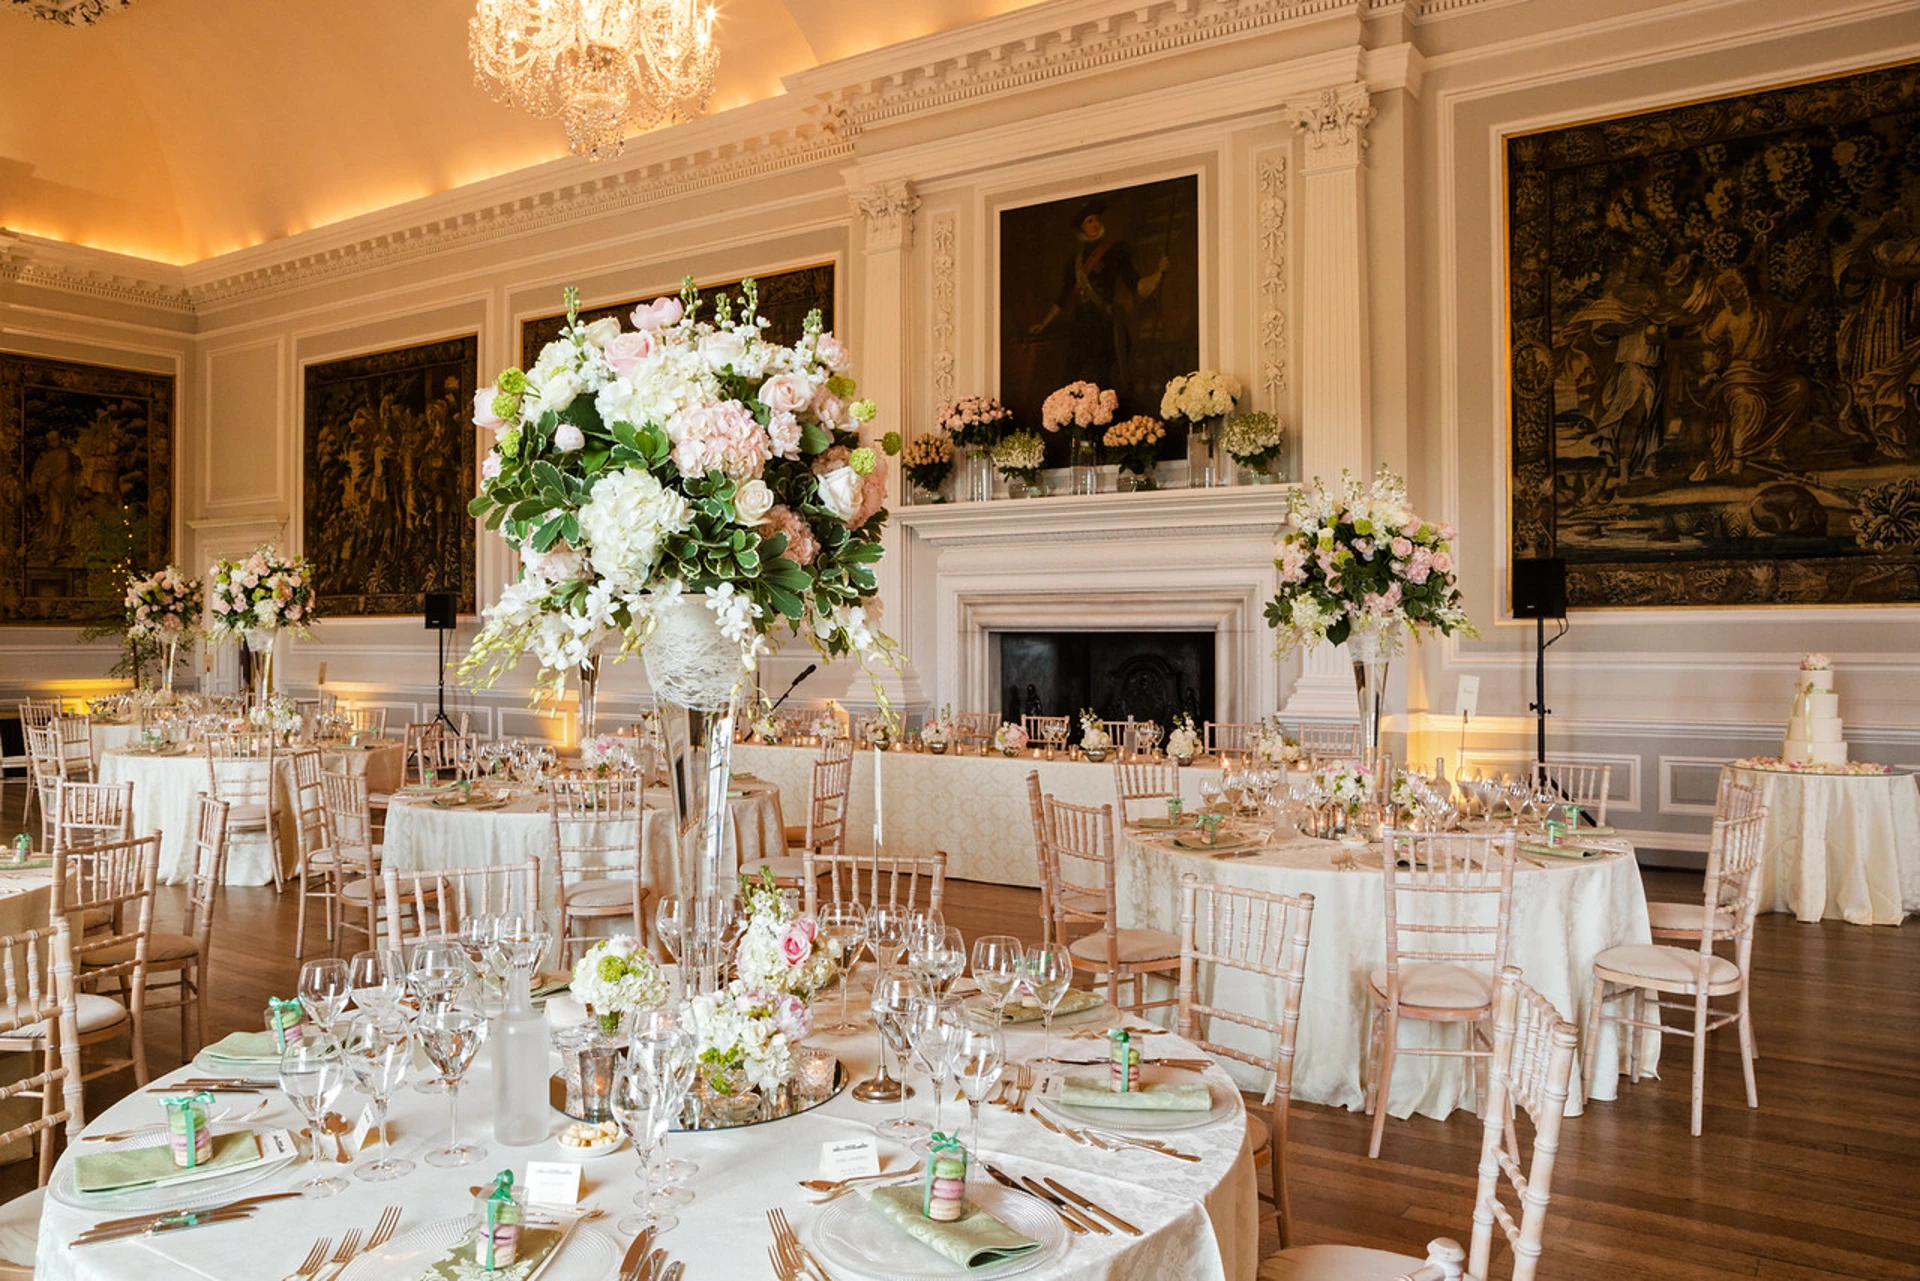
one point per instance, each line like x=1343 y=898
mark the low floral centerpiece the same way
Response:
x=928 y=461
x=616 y=979
x=277 y=715
x=164 y=608
x=780 y=947
x=1253 y=440
x=1009 y=739
x=1183 y=743
x=606 y=754
x=1134 y=445
x=1094 y=739
x=1275 y=747
x=746 y=1037
x=769 y=728
x=937 y=731
x=1348 y=785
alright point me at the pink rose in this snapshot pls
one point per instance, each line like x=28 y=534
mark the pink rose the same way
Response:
x=1402 y=548
x=1447 y=532
x=625 y=352
x=795 y=945
x=786 y=393
x=490 y=468
x=483 y=415
x=1443 y=561
x=661 y=313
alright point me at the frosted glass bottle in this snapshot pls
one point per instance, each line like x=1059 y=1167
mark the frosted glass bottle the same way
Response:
x=519 y=1040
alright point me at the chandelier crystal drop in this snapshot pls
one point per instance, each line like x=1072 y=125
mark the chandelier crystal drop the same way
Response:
x=605 y=68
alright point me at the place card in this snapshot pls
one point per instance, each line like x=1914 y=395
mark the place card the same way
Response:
x=366 y=1131
x=849 y=1158
x=553 y=1182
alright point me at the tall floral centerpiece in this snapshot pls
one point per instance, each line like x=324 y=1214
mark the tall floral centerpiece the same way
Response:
x=164 y=608
x=1359 y=568
x=1080 y=409
x=927 y=462
x=256 y=599
x=1202 y=398
x=681 y=489
x=1134 y=445
x=1253 y=440
x=975 y=424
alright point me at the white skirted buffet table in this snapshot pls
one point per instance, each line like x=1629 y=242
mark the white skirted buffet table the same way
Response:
x=1845 y=845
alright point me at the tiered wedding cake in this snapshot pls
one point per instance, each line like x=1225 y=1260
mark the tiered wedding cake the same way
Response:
x=1813 y=730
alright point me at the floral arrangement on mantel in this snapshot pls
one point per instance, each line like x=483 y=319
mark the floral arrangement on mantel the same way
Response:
x=1348 y=784
x=1009 y=738
x=679 y=464
x=1078 y=407
x=780 y=949
x=265 y=592
x=1133 y=443
x=1254 y=439
x=616 y=978
x=1777 y=765
x=928 y=461
x=750 y=1030
x=1358 y=559
x=164 y=606
x=975 y=421
x=1021 y=456
x=1200 y=396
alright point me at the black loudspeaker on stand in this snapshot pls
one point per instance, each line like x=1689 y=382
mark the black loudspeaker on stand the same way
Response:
x=1540 y=593
x=443 y=616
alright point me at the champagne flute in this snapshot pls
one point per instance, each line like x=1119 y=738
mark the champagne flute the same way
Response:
x=844 y=926
x=665 y=1047
x=378 y=1047
x=933 y=1029
x=376 y=980
x=979 y=1056
x=1049 y=973
x=312 y=1072
x=670 y=925
x=893 y=997
x=324 y=991
x=996 y=968
x=451 y=1036
x=644 y=1109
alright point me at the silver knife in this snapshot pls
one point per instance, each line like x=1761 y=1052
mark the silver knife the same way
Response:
x=635 y=1256
x=171 y=1225
x=140 y=1220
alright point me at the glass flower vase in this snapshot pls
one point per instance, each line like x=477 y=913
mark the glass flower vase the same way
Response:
x=697 y=676
x=1083 y=469
x=1372 y=645
x=1207 y=463
x=260 y=643
x=976 y=474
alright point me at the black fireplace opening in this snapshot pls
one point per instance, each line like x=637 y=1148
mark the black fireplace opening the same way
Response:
x=1149 y=676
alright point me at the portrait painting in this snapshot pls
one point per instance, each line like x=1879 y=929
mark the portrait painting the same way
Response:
x=86 y=489
x=1715 y=327
x=1103 y=288
x=389 y=453
x=785 y=298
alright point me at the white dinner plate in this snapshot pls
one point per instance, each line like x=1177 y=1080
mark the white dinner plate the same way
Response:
x=588 y=1255
x=1131 y=1121
x=263 y=1072
x=851 y=1238
x=192 y=1194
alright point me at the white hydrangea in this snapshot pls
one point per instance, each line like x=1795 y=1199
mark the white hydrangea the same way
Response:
x=617 y=977
x=1205 y=393
x=625 y=520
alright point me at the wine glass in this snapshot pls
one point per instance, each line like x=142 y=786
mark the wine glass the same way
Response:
x=312 y=1071
x=1211 y=788
x=886 y=931
x=670 y=924
x=378 y=1047
x=644 y=1107
x=996 y=968
x=451 y=1035
x=376 y=980
x=933 y=1029
x=324 y=991
x=979 y=1056
x=942 y=958
x=667 y=1050
x=920 y=923
x=893 y=996
x=1047 y=975
x=844 y=925
x=437 y=969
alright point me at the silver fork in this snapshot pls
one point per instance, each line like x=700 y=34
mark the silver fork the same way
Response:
x=349 y=1246
x=389 y=1222
x=797 y=1254
x=316 y=1258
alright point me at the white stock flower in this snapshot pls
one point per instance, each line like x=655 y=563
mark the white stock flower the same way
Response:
x=624 y=522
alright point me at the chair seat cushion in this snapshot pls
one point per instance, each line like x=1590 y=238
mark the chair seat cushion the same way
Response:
x=356 y=891
x=1336 y=1263
x=249 y=814
x=1685 y=917
x=96 y=1014
x=160 y=947
x=599 y=895
x=1134 y=947
x=787 y=871
x=1671 y=966
x=1085 y=902
x=1437 y=986
x=20 y=1227
x=95 y=918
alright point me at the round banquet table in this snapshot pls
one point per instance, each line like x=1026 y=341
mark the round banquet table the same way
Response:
x=1564 y=914
x=1845 y=845
x=1199 y=1220
x=109 y=734
x=26 y=895
x=164 y=786
x=422 y=835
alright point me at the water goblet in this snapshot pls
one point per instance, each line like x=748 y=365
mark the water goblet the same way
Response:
x=996 y=968
x=376 y=979
x=979 y=1056
x=379 y=1047
x=894 y=993
x=324 y=991
x=451 y=1035
x=1047 y=975
x=312 y=1072
x=644 y=1108
x=844 y=925
x=665 y=1047
x=933 y=1030
x=886 y=929
x=943 y=957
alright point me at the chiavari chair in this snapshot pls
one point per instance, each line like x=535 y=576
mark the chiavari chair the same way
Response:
x=835 y=750
x=438 y=899
x=1682 y=922
x=1036 y=727
x=1584 y=785
x=366 y=720
x=1263 y=935
x=1449 y=911
x=828 y=789
x=1234 y=738
x=1642 y=974
x=316 y=867
x=1143 y=781
x=444 y=755
x=38 y=975
x=1530 y=1070
x=44 y=774
x=975 y=727
x=352 y=855
x=599 y=842
x=414 y=761
x=240 y=771
x=1080 y=851
x=1322 y=743
x=76 y=748
x=1036 y=806
x=90 y=813
x=904 y=881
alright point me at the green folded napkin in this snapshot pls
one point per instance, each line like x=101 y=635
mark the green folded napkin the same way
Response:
x=974 y=1240
x=1076 y=1001
x=140 y=1167
x=1199 y=845
x=245 y=1047
x=457 y=1264
x=1162 y=1096
x=31 y=865
x=1161 y=823
x=1562 y=850
x=550 y=984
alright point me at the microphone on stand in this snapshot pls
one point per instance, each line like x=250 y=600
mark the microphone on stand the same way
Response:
x=805 y=672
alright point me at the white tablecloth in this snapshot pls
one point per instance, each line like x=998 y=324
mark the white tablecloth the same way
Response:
x=1845 y=845
x=25 y=897
x=1564 y=914
x=1199 y=1218
x=108 y=735
x=164 y=788
x=420 y=834
x=973 y=807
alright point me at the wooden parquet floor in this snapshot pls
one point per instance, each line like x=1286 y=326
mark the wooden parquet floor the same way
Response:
x=1818 y=1184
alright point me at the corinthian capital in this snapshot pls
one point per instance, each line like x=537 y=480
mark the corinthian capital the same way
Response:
x=888 y=209
x=1335 y=124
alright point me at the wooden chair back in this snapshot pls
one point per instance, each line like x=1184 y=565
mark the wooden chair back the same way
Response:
x=1037 y=808
x=1330 y=742
x=76 y=745
x=1733 y=886
x=347 y=830
x=597 y=826
x=903 y=881
x=1231 y=738
x=445 y=754
x=38 y=713
x=1143 y=781
x=827 y=791
x=1736 y=799
x=1079 y=850
x=209 y=869
x=835 y=751
x=1584 y=785
x=37 y=973
x=366 y=720
x=1254 y=932
x=309 y=801
x=240 y=768
x=418 y=734
x=975 y=727
x=1036 y=728
x=439 y=899
x=1449 y=900
x=89 y=813
x=114 y=879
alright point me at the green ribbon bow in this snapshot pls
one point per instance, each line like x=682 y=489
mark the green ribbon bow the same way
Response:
x=278 y=1006
x=497 y=1204
x=191 y=1108
x=1124 y=1056
x=1555 y=829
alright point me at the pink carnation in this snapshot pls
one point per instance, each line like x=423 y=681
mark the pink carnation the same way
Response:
x=783 y=432
x=627 y=350
x=802 y=546
x=723 y=437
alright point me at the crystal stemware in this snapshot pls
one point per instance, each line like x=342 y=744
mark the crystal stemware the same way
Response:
x=894 y=993
x=376 y=980
x=378 y=1048
x=979 y=1056
x=1047 y=975
x=933 y=1030
x=644 y=1107
x=670 y=924
x=844 y=925
x=886 y=936
x=942 y=957
x=312 y=1072
x=324 y=991
x=996 y=968
x=664 y=1046
x=451 y=1035
x=437 y=969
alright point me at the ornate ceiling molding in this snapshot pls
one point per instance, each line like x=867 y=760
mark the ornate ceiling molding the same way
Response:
x=887 y=209
x=68 y=13
x=36 y=265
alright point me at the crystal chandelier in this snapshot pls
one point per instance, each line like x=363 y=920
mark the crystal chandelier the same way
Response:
x=604 y=67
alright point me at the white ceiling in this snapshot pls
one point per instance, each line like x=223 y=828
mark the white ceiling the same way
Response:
x=182 y=129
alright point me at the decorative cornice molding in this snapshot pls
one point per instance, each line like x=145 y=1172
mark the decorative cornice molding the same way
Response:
x=1335 y=124
x=887 y=208
x=36 y=264
x=68 y=13
x=1271 y=182
x=946 y=239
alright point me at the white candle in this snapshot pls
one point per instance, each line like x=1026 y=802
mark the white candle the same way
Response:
x=877 y=821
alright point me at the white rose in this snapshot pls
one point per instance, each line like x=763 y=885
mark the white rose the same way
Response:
x=602 y=331
x=555 y=356
x=752 y=501
x=722 y=348
x=840 y=491
x=786 y=393
x=558 y=392
x=567 y=438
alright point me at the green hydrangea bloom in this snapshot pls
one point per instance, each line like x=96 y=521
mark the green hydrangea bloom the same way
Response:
x=506 y=406
x=862 y=461
x=863 y=411
x=612 y=968
x=511 y=381
x=841 y=386
x=891 y=443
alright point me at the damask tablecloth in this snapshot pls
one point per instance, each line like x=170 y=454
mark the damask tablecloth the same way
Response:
x=164 y=788
x=973 y=807
x=1564 y=914
x=1845 y=845
x=1199 y=1219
